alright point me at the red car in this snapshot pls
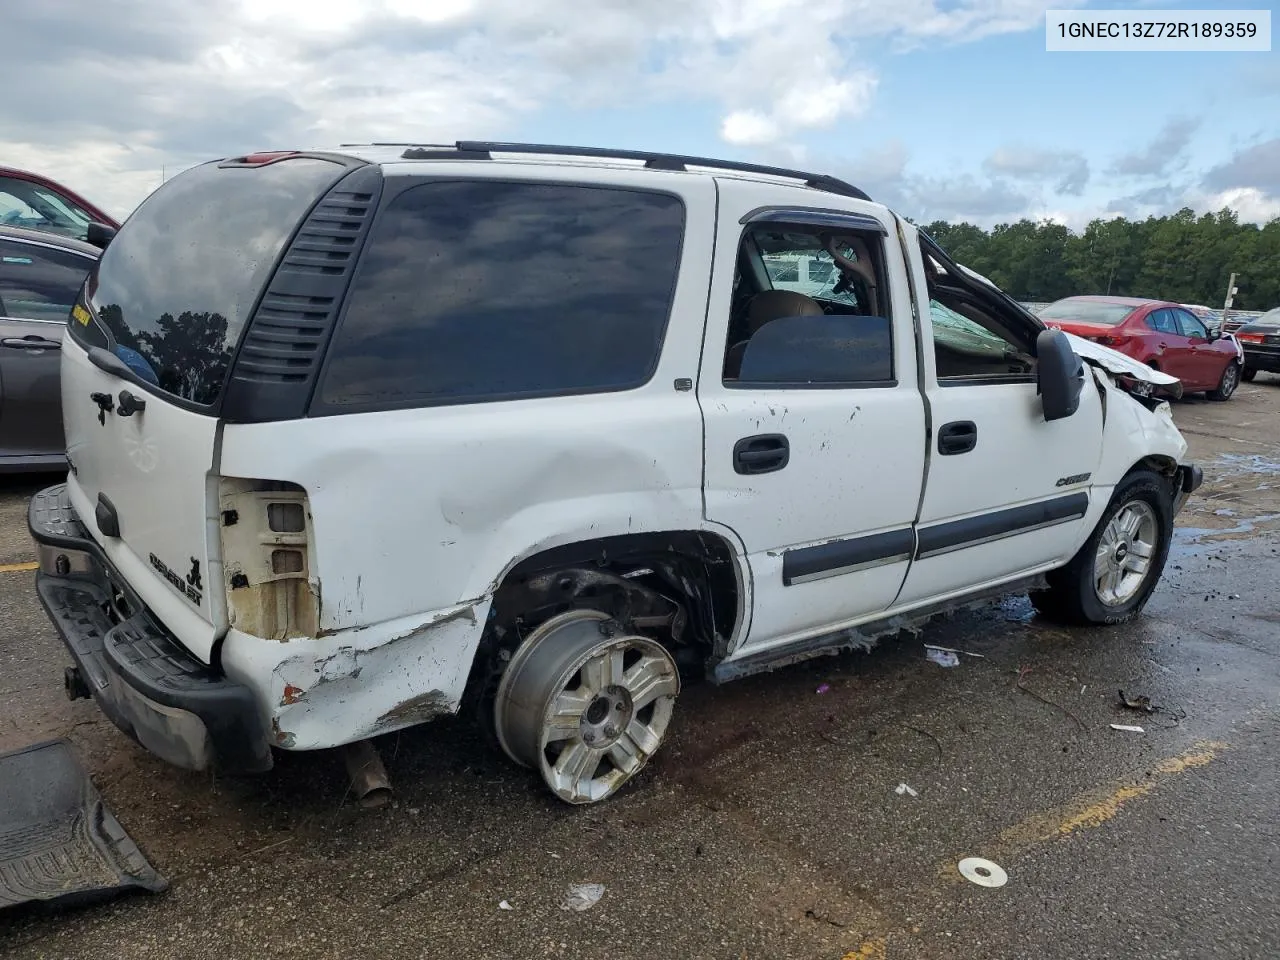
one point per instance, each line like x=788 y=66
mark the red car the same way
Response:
x=34 y=202
x=1165 y=336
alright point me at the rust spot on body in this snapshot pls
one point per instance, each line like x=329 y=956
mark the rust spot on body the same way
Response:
x=292 y=695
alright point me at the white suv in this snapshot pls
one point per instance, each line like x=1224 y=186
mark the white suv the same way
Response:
x=360 y=437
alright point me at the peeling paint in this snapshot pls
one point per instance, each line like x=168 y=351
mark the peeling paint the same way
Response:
x=292 y=695
x=419 y=709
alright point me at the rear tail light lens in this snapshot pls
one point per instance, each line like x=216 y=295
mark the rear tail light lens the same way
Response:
x=266 y=559
x=1112 y=341
x=1251 y=337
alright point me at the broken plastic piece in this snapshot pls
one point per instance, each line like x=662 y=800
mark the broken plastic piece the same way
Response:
x=903 y=788
x=1139 y=702
x=1127 y=728
x=583 y=896
x=503 y=905
x=823 y=688
x=967 y=653
x=943 y=658
x=983 y=872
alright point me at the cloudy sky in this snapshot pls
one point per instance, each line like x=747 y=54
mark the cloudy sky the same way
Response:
x=945 y=108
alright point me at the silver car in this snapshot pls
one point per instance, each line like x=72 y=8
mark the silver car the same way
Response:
x=40 y=276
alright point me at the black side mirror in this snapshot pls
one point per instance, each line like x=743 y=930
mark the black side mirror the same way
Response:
x=1061 y=375
x=99 y=234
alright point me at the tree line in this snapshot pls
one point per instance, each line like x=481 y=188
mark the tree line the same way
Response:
x=1184 y=258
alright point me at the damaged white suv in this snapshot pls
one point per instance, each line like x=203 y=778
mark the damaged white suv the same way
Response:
x=360 y=437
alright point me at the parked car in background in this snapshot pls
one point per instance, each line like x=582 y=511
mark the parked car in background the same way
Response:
x=40 y=277
x=35 y=202
x=1260 y=339
x=1163 y=335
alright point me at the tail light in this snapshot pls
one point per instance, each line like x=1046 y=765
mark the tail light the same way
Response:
x=265 y=529
x=1251 y=337
x=1109 y=340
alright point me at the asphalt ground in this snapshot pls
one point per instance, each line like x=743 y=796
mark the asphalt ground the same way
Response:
x=770 y=826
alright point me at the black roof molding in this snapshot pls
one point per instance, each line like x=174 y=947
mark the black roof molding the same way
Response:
x=484 y=150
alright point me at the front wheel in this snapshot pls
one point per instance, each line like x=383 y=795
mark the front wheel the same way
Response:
x=1111 y=578
x=1227 y=385
x=586 y=704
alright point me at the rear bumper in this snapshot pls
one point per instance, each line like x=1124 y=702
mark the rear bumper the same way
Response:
x=1188 y=478
x=1262 y=356
x=143 y=680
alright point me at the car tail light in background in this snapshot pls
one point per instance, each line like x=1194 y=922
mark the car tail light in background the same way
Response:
x=1108 y=340
x=265 y=528
x=1251 y=337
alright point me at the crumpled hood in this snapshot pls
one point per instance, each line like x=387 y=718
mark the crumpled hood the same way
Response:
x=1112 y=361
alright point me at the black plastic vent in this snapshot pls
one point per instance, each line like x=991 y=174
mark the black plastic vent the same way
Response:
x=284 y=344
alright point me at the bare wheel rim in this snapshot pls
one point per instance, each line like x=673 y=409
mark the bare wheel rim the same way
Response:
x=1126 y=552
x=586 y=704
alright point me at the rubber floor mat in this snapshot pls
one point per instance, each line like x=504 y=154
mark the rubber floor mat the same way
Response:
x=58 y=840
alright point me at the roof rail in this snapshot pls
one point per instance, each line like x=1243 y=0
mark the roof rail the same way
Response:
x=483 y=149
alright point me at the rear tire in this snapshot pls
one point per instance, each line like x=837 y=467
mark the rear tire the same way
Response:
x=1111 y=578
x=1248 y=373
x=1227 y=386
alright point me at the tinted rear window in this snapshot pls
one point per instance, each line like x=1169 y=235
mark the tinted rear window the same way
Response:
x=175 y=287
x=488 y=290
x=1087 y=311
x=39 y=283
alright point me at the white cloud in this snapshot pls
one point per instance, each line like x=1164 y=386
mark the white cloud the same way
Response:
x=137 y=84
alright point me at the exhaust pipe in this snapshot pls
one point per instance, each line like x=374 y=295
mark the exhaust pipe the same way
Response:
x=369 y=781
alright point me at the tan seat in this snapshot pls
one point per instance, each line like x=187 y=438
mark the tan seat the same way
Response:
x=765 y=307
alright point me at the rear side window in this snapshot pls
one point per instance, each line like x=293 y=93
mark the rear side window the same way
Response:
x=39 y=283
x=489 y=290
x=173 y=290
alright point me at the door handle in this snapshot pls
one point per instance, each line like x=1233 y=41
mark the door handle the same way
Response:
x=762 y=453
x=30 y=342
x=960 y=436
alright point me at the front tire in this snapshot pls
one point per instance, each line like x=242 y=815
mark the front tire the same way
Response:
x=1111 y=578
x=1227 y=385
x=586 y=704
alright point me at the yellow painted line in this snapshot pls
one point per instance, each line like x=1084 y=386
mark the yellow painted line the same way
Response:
x=17 y=567
x=1089 y=810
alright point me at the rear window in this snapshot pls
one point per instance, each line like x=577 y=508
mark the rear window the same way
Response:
x=490 y=290
x=1087 y=311
x=173 y=290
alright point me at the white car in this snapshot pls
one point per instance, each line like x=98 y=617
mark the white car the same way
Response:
x=364 y=437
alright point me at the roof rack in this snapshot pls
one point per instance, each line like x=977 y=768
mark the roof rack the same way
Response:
x=484 y=149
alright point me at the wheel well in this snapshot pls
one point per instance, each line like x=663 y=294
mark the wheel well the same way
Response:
x=1167 y=467
x=679 y=587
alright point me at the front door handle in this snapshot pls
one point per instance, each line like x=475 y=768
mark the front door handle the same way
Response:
x=30 y=342
x=960 y=436
x=762 y=453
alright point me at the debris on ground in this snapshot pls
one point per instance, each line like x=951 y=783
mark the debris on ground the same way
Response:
x=1127 y=728
x=58 y=840
x=983 y=872
x=823 y=688
x=902 y=788
x=943 y=658
x=967 y=653
x=1140 y=702
x=582 y=896
x=504 y=905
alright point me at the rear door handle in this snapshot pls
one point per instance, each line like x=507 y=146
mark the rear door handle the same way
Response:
x=30 y=342
x=762 y=453
x=960 y=436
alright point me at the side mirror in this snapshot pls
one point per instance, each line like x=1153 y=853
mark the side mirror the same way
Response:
x=99 y=234
x=1061 y=375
